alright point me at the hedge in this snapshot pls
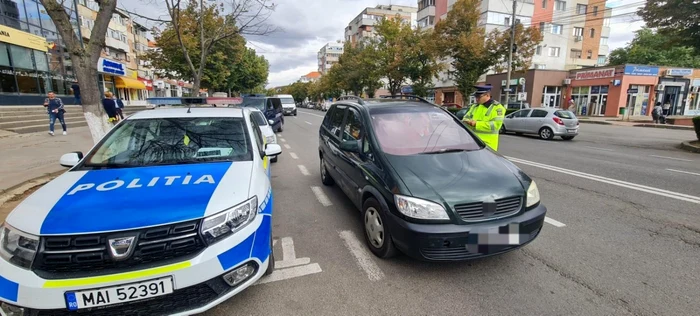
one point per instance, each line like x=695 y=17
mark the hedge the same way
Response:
x=696 y=123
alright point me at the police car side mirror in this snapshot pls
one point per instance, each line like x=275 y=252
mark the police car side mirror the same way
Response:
x=71 y=159
x=271 y=122
x=272 y=150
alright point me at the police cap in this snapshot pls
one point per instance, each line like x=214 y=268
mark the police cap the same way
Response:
x=482 y=89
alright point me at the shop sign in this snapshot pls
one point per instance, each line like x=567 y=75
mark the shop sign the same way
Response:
x=637 y=70
x=181 y=83
x=111 y=67
x=679 y=72
x=632 y=91
x=513 y=82
x=595 y=74
x=147 y=83
x=24 y=39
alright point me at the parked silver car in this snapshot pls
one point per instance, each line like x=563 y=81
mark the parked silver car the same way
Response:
x=545 y=122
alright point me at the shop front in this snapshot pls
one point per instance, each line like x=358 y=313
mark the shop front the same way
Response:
x=542 y=88
x=116 y=78
x=673 y=90
x=694 y=99
x=605 y=91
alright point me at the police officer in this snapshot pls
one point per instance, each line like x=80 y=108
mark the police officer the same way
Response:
x=486 y=117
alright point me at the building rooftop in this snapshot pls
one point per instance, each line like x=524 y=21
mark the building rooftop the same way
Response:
x=313 y=75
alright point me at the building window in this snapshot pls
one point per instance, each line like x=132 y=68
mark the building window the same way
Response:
x=538 y=50
x=575 y=53
x=554 y=51
x=540 y=66
x=506 y=21
x=603 y=41
x=542 y=25
x=589 y=54
x=581 y=8
x=560 y=5
x=592 y=32
x=21 y=57
x=578 y=31
x=601 y=59
x=557 y=28
x=595 y=11
x=544 y=4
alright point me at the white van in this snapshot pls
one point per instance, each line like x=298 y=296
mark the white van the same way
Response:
x=289 y=107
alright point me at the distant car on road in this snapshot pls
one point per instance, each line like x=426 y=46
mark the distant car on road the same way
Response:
x=544 y=122
x=425 y=185
x=270 y=106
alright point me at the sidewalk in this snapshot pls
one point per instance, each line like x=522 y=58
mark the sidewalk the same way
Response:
x=637 y=121
x=27 y=156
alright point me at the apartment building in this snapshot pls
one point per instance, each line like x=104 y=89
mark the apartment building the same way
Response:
x=362 y=26
x=329 y=55
x=145 y=72
x=33 y=60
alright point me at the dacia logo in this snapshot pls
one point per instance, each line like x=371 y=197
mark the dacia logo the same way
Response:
x=120 y=248
x=136 y=183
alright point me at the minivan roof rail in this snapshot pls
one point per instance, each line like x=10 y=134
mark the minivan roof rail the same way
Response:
x=347 y=97
x=407 y=96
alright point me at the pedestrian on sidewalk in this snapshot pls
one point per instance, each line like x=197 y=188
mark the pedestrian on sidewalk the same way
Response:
x=75 y=88
x=110 y=107
x=120 y=107
x=54 y=107
x=657 y=112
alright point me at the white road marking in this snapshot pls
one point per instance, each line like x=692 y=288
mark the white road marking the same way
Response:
x=311 y=113
x=363 y=257
x=620 y=183
x=279 y=135
x=288 y=252
x=307 y=122
x=664 y=157
x=687 y=172
x=321 y=197
x=287 y=146
x=554 y=222
x=293 y=155
x=598 y=148
x=303 y=170
x=283 y=140
x=295 y=272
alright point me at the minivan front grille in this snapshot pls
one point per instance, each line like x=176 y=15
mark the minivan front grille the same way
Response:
x=78 y=255
x=477 y=211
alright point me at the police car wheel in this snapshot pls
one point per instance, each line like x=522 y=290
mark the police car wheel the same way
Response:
x=325 y=177
x=546 y=133
x=271 y=260
x=377 y=233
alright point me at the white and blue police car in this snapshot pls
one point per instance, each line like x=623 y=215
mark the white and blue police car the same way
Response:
x=169 y=214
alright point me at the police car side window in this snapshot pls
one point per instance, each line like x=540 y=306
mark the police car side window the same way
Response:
x=258 y=136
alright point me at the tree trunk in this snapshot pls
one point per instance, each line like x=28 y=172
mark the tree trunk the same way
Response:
x=90 y=93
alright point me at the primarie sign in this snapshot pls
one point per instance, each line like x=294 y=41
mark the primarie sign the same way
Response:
x=595 y=74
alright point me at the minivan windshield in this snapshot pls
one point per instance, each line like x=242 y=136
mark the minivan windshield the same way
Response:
x=258 y=103
x=421 y=130
x=287 y=100
x=164 y=141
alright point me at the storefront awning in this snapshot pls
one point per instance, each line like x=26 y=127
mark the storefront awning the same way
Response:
x=128 y=83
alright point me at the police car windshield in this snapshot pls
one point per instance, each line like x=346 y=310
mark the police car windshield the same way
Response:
x=258 y=103
x=165 y=141
x=421 y=130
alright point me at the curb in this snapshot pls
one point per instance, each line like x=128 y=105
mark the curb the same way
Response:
x=687 y=146
x=19 y=189
x=595 y=122
x=664 y=126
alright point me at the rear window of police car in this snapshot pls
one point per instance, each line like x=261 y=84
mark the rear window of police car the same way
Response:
x=142 y=142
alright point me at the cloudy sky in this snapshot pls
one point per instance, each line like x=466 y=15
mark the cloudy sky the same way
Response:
x=304 y=26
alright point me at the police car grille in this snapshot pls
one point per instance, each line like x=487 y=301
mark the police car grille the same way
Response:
x=74 y=256
x=474 y=212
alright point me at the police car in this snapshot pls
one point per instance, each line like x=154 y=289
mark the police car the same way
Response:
x=170 y=213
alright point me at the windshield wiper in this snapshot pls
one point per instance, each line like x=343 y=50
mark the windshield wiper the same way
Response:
x=109 y=165
x=444 y=150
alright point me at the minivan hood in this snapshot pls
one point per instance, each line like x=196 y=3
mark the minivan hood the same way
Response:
x=458 y=177
x=95 y=201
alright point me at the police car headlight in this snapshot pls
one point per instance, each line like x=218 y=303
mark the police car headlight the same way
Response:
x=218 y=226
x=420 y=209
x=16 y=247
x=270 y=139
x=533 y=195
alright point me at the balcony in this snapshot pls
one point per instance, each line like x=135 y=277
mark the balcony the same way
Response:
x=114 y=43
x=427 y=11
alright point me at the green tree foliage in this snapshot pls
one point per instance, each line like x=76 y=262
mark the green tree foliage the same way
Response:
x=654 y=48
x=525 y=44
x=678 y=20
x=393 y=54
x=245 y=72
x=299 y=90
x=423 y=61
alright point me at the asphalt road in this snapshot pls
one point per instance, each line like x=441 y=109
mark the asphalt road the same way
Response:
x=613 y=248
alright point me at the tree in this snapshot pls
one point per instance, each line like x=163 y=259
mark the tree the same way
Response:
x=461 y=39
x=654 y=48
x=246 y=72
x=423 y=64
x=299 y=90
x=678 y=20
x=199 y=27
x=392 y=51
x=84 y=58
x=525 y=43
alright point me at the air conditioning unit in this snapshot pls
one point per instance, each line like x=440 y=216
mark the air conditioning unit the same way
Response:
x=567 y=81
x=660 y=87
x=578 y=38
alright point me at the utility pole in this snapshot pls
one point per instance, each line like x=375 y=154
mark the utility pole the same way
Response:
x=510 y=53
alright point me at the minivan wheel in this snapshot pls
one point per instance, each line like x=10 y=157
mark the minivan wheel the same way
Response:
x=279 y=130
x=377 y=233
x=325 y=177
x=546 y=133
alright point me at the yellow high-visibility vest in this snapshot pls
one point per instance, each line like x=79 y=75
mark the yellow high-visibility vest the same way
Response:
x=489 y=119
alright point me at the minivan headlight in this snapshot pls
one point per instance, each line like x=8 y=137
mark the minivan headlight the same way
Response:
x=533 y=195
x=218 y=226
x=420 y=209
x=270 y=140
x=17 y=247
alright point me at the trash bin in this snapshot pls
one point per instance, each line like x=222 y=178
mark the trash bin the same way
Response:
x=622 y=111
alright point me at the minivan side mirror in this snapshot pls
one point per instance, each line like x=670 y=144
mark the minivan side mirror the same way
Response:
x=71 y=159
x=271 y=122
x=272 y=150
x=350 y=145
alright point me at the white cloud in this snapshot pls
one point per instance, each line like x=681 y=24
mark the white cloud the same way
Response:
x=624 y=22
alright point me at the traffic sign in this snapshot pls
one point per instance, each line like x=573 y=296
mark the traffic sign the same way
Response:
x=522 y=96
x=522 y=81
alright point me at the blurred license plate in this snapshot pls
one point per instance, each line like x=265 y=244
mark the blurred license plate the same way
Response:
x=571 y=130
x=119 y=294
